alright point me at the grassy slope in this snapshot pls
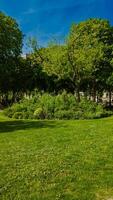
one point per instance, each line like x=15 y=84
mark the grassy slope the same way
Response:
x=71 y=160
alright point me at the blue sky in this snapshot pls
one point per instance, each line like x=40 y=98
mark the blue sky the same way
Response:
x=46 y=19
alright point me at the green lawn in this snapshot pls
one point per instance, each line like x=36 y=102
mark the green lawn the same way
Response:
x=56 y=160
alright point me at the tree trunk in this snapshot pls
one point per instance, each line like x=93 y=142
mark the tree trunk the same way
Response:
x=94 y=90
x=14 y=97
x=78 y=94
x=6 y=99
x=109 y=98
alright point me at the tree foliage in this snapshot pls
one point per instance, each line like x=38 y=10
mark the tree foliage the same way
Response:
x=10 y=50
x=84 y=63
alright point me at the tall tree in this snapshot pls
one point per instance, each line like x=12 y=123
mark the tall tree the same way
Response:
x=89 y=52
x=10 y=49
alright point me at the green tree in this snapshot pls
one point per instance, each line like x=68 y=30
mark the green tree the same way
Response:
x=89 y=52
x=10 y=49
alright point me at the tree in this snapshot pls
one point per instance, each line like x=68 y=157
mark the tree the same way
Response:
x=89 y=52
x=52 y=61
x=10 y=49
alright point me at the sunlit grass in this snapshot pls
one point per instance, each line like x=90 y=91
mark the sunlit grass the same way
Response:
x=56 y=160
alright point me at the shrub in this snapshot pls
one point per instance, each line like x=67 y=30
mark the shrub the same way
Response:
x=65 y=101
x=47 y=104
x=87 y=106
x=68 y=114
x=39 y=113
x=63 y=114
x=61 y=106
x=78 y=114
x=18 y=115
x=9 y=112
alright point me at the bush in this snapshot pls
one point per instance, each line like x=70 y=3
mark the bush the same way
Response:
x=68 y=114
x=39 y=113
x=61 y=106
x=65 y=101
x=64 y=114
x=18 y=115
x=47 y=104
x=87 y=105
x=9 y=112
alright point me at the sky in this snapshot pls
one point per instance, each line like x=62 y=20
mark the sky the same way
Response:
x=48 y=19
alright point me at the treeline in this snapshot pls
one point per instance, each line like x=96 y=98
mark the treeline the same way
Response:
x=84 y=63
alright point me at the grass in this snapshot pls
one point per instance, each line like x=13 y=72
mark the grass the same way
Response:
x=56 y=160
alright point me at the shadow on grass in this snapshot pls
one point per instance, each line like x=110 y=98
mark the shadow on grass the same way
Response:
x=9 y=126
